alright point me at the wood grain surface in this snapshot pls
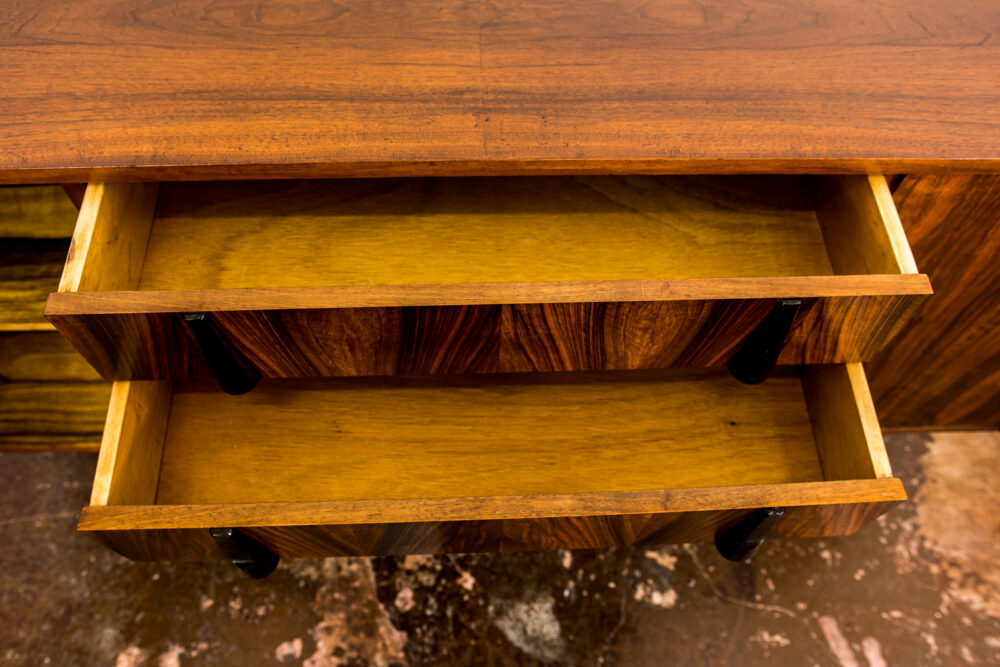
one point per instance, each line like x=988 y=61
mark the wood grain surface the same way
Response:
x=110 y=237
x=409 y=242
x=254 y=89
x=842 y=414
x=36 y=223
x=509 y=523
x=861 y=227
x=322 y=342
x=944 y=368
x=52 y=416
x=380 y=277
x=403 y=296
x=75 y=192
x=446 y=231
x=545 y=461
x=356 y=439
x=41 y=356
x=42 y=211
x=29 y=272
x=50 y=397
x=129 y=463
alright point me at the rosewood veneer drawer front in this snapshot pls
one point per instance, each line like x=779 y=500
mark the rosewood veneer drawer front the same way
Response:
x=355 y=466
x=450 y=276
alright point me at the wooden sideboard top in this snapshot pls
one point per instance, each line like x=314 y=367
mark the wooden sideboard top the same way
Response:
x=212 y=89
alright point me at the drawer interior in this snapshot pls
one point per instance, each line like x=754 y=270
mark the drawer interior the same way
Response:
x=402 y=438
x=449 y=231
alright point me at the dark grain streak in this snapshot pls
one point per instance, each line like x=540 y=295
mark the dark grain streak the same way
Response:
x=944 y=368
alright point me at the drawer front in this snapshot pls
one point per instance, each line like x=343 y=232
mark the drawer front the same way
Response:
x=620 y=299
x=449 y=340
x=596 y=531
x=535 y=461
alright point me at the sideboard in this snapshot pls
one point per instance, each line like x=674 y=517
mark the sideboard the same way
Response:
x=385 y=278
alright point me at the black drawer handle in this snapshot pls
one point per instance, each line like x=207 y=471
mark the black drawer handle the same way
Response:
x=760 y=350
x=233 y=371
x=245 y=552
x=739 y=541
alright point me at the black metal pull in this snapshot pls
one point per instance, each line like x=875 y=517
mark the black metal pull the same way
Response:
x=739 y=541
x=760 y=350
x=234 y=372
x=246 y=553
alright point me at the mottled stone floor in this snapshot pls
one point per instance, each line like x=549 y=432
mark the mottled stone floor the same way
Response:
x=920 y=587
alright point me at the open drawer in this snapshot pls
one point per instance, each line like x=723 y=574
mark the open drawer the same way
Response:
x=357 y=466
x=481 y=275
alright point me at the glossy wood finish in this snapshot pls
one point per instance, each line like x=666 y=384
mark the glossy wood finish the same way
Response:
x=29 y=271
x=37 y=212
x=497 y=463
x=944 y=369
x=482 y=339
x=50 y=398
x=41 y=356
x=35 y=225
x=255 y=89
x=259 y=260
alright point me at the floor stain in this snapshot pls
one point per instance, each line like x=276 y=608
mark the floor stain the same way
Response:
x=530 y=625
x=958 y=511
x=354 y=624
x=839 y=646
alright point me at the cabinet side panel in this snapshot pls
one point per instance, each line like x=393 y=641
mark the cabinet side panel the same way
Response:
x=943 y=369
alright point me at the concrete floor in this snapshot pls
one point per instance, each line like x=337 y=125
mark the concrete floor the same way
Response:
x=919 y=587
